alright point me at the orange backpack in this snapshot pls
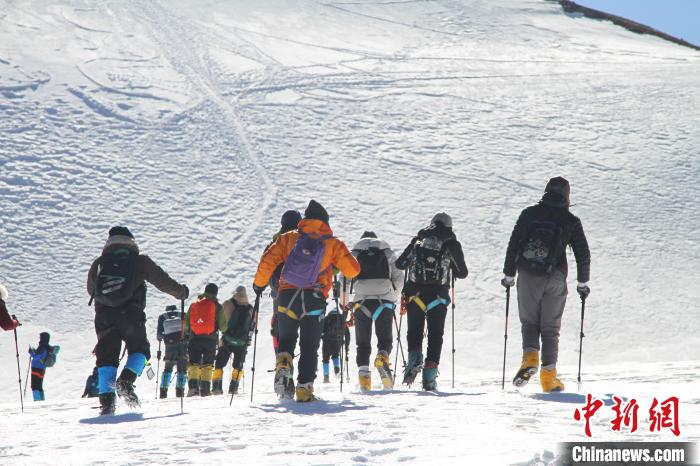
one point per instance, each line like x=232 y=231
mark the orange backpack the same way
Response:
x=203 y=316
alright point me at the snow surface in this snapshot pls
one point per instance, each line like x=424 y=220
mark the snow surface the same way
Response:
x=198 y=125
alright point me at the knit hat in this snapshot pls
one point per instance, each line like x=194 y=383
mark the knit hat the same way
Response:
x=44 y=338
x=443 y=219
x=241 y=295
x=211 y=289
x=120 y=231
x=368 y=234
x=290 y=219
x=559 y=185
x=316 y=211
x=3 y=292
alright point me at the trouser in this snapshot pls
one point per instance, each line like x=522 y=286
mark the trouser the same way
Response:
x=431 y=307
x=299 y=317
x=363 y=329
x=175 y=355
x=202 y=352
x=224 y=353
x=330 y=349
x=541 y=301
x=112 y=327
x=273 y=325
x=38 y=383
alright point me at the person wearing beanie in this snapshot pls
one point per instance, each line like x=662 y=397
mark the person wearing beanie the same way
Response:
x=43 y=356
x=376 y=290
x=116 y=283
x=309 y=254
x=238 y=315
x=289 y=222
x=169 y=331
x=432 y=260
x=7 y=322
x=537 y=253
x=204 y=319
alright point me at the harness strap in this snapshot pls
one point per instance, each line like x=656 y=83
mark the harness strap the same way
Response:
x=431 y=305
x=289 y=312
x=377 y=312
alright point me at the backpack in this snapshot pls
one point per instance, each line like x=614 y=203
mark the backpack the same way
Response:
x=430 y=264
x=373 y=264
x=541 y=248
x=238 y=333
x=303 y=266
x=114 y=278
x=172 y=328
x=333 y=327
x=51 y=353
x=203 y=316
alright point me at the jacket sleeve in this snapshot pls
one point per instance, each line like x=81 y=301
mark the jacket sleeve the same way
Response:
x=459 y=266
x=187 y=321
x=344 y=260
x=403 y=260
x=159 y=330
x=579 y=244
x=91 y=277
x=509 y=267
x=5 y=319
x=396 y=275
x=221 y=319
x=161 y=280
x=273 y=256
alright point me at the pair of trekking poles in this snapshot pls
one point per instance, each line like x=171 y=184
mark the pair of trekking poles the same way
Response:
x=505 y=340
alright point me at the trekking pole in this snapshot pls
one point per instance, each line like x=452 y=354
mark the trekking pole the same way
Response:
x=505 y=339
x=256 y=309
x=26 y=378
x=182 y=339
x=453 y=331
x=347 y=358
x=580 y=344
x=19 y=371
x=158 y=368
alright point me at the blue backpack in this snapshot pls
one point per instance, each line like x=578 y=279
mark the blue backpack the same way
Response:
x=303 y=266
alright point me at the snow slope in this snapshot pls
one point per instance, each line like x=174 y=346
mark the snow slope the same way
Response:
x=197 y=126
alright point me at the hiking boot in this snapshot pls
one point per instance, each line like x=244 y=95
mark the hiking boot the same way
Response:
x=305 y=392
x=204 y=388
x=326 y=378
x=107 y=403
x=233 y=387
x=163 y=393
x=193 y=389
x=413 y=367
x=528 y=368
x=549 y=380
x=430 y=373
x=365 y=379
x=125 y=390
x=217 y=387
x=381 y=362
x=336 y=370
x=179 y=392
x=284 y=385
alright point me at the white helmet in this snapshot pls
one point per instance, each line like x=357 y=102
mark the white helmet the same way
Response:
x=3 y=292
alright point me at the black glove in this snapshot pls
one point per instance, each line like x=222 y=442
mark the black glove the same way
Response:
x=185 y=293
x=258 y=289
x=583 y=290
x=507 y=281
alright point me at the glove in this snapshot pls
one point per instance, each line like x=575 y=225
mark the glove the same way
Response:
x=404 y=305
x=185 y=292
x=507 y=281
x=583 y=290
x=258 y=289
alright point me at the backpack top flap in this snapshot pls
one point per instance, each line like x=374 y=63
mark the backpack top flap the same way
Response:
x=541 y=248
x=203 y=316
x=303 y=266
x=431 y=263
x=172 y=327
x=373 y=264
x=115 y=276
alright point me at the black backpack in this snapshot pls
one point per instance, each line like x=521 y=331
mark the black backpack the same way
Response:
x=172 y=328
x=333 y=327
x=541 y=247
x=373 y=264
x=240 y=324
x=431 y=263
x=114 y=278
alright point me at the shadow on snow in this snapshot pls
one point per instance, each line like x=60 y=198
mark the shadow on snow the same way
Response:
x=315 y=407
x=120 y=418
x=567 y=397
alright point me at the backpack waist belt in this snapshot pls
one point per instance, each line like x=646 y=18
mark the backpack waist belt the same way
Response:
x=433 y=304
x=374 y=315
x=290 y=312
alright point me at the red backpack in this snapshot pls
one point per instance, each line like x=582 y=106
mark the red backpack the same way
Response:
x=203 y=316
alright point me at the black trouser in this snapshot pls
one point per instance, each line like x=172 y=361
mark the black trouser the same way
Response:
x=38 y=379
x=113 y=327
x=175 y=354
x=225 y=351
x=363 y=331
x=436 y=325
x=202 y=349
x=306 y=328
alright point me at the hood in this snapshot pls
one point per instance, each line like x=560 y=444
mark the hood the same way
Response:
x=439 y=230
x=119 y=242
x=555 y=199
x=366 y=243
x=315 y=227
x=241 y=296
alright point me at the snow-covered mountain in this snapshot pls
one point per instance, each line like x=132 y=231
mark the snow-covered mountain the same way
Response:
x=198 y=123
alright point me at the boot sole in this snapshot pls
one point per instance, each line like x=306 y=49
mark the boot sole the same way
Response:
x=521 y=380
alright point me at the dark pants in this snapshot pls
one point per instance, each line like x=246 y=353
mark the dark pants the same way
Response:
x=306 y=328
x=175 y=354
x=436 y=326
x=363 y=331
x=38 y=379
x=273 y=325
x=225 y=351
x=202 y=349
x=113 y=327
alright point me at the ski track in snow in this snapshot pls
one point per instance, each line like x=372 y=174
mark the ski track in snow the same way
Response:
x=197 y=126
